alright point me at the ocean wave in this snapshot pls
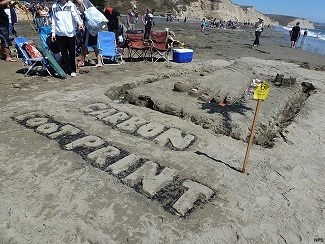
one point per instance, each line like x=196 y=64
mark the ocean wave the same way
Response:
x=311 y=32
x=319 y=35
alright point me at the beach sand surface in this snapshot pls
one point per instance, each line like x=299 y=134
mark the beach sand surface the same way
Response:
x=52 y=191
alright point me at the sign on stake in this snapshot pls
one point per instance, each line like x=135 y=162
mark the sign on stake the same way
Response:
x=260 y=94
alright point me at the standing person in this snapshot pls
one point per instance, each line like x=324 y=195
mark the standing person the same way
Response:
x=259 y=27
x=7 y=10
x=41 y=16
x=12 y=16
x=87 y=38
x=304 y=37
x=64 y=17
x=113 y=17
x=132 y=17
x=4 y=31
x=203 y=24
x=295 y=34
x=148 y=23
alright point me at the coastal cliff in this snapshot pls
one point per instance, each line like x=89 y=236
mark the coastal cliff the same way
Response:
x=291 y=21
x=224 y=10
x=303 y=24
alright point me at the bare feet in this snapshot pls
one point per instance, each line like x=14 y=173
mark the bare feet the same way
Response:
x=11 y=60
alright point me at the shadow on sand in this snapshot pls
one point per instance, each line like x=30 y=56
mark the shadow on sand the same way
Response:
x=217 y=160
x=212 y=107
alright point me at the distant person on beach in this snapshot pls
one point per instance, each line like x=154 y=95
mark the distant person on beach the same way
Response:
x=4 y=31
x=148 y=23
x=305 y=32
x=295 y=34
x=304 y=37
x=259 y=27
x=203 y=24
x=132 y=17
x=12 y=16
x=41 y=17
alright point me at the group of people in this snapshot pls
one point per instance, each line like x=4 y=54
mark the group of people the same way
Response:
x=64 y=15
x=67 y=20
x=230 y=24
x=295 y=33
x=259 y=28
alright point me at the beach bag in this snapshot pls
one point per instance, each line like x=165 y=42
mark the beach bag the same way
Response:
x=32 y=50
x=95 y=21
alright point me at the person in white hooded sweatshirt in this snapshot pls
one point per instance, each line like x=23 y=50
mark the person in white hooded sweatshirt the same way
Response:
x=64 y=20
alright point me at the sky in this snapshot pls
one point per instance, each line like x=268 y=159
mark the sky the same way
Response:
x=312 y=10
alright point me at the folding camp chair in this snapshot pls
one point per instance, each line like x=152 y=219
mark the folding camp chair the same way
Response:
x=44 y=32
x=32 y=63
x=137 y=46
x=106 y=44
x=159 y=45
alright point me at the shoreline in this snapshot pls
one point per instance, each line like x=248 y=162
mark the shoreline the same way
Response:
x=310 y=44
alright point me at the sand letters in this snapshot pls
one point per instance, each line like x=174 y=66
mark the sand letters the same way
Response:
x=136 y=125
x=176 y=195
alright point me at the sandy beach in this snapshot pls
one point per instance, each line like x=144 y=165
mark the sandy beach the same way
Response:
x=116 y=155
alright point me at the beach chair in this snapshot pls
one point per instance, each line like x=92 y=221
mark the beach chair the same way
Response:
x=137 y=46
x=32 y=63
x=160 y=47
x=106 y=43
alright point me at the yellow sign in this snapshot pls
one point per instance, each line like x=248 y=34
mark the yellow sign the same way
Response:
x=262 y=91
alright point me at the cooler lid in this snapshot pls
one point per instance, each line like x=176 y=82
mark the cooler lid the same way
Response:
x=182 y=50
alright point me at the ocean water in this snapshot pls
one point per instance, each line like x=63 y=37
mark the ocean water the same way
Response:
x=314 y=42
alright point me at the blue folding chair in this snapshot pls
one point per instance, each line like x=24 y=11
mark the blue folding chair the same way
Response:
x=32 y=63
x=106 y=43
x=44 y=32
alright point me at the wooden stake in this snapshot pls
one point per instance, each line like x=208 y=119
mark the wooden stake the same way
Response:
x=251 y=137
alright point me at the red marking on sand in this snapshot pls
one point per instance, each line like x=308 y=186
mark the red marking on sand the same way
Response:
x=222 y=104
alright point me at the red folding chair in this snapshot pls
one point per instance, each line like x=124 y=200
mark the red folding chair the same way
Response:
x=137 y=46
x=160 y=47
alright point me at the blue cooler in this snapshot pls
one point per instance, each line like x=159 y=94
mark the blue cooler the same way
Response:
x=182 y=55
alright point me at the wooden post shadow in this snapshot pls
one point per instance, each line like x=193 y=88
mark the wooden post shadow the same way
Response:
x=217 y=160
